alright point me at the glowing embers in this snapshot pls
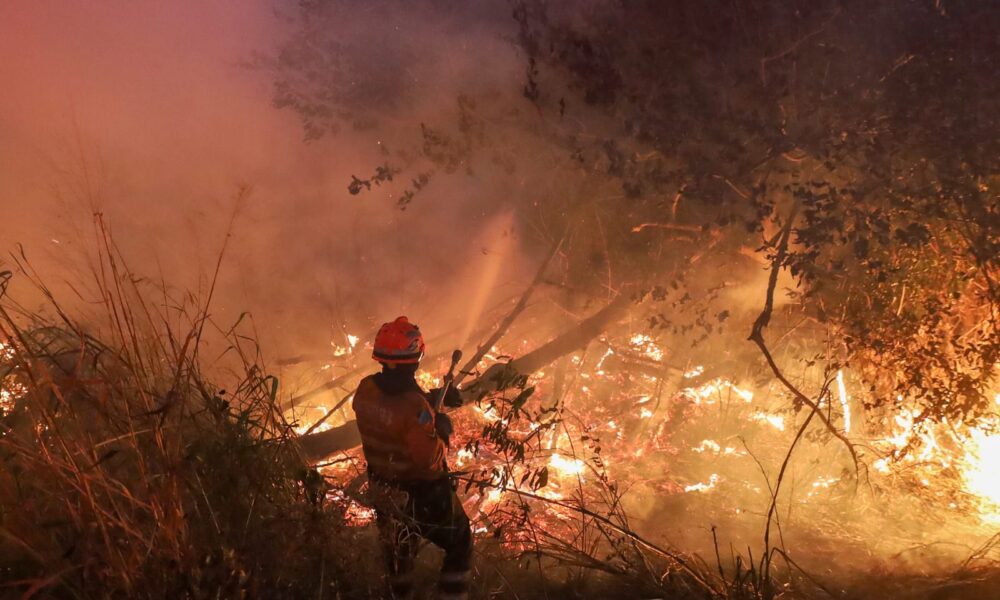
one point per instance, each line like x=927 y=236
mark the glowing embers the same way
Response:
x=11 y=390
x=687 y=444
x=645 y=344
x=355 y=513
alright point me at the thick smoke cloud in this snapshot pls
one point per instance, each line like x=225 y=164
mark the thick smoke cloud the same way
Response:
x=156 y=113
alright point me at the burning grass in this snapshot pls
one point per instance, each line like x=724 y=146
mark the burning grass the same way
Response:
x=666 y=478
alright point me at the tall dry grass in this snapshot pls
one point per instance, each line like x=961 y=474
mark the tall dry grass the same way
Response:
x=126 y=471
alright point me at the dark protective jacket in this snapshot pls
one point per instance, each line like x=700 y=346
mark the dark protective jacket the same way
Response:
x=398 y=436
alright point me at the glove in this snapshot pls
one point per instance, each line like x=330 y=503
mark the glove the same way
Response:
x=453 y=399
x=444 y=428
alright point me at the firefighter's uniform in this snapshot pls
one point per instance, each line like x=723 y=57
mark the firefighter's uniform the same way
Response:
x=408 y=479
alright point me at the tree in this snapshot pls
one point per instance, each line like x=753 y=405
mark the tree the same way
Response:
x=684 y=136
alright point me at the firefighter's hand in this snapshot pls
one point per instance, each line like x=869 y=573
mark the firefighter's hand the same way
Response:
x=442 y=423
x=453 y=399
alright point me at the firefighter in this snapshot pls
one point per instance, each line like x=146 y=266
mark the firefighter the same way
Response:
x=404 y=441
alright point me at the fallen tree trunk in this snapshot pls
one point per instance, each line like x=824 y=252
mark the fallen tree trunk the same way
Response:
x=329 y=385
x=498 y=376
x=317 y=446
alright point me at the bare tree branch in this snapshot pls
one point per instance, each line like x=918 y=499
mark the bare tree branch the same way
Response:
x=757 y=336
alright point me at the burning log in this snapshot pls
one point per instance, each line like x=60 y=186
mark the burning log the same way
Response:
x=498 y=376
x=622 y=360
x=316 y=446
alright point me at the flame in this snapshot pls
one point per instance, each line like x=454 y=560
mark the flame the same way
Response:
x=339 y=350
x=494 y=495
x=703 y=487
x=707 y=445
x=427 y=380
x=951 y=462
x=567 y=467
x=463 y=456
x=600 y=364
x=708 y=392
x=489 y=414
x=776 y=421
x=935 y=447
x=9 y=395
x=979 y=472
x=694 y=372
x=713 y=446
x=844 y=405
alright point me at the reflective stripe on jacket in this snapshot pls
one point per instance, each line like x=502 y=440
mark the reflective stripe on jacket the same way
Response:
x=397 y=433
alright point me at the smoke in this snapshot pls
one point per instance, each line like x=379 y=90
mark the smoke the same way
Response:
x=156 y=113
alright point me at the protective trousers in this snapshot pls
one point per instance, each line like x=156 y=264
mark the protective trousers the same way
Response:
x=430 y=510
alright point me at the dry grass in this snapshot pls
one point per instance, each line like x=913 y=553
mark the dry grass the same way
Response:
x=125 y=472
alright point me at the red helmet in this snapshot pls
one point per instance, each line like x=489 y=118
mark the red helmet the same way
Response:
x=398 y=343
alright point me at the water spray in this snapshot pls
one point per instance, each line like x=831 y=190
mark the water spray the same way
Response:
x=499 y=240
